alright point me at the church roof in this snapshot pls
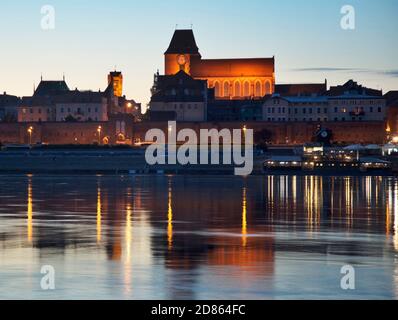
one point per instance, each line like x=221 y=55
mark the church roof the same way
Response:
x=183 y=41
x=252 y=67
x=302 y=89
x=178 y=87
x=353 y=88
x=49 y=88
x=391 y=97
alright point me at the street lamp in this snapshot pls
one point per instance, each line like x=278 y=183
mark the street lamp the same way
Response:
x=30 y=131
x=99 y=134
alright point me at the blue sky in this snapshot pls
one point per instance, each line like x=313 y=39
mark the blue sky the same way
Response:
x=91 y=37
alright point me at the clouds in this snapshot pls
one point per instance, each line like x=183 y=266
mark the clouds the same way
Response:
x=391 y=73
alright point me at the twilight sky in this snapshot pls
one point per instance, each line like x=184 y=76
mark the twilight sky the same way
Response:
x=92 y=37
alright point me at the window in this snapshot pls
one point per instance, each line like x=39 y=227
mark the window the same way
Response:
x=379 y=109
x=258 y=89
x=238 y=92
x=267 y=87
x=217 y=89
x=246 y=89
x=226 y=89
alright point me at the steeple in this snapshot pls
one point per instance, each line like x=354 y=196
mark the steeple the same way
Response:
x=183 y=42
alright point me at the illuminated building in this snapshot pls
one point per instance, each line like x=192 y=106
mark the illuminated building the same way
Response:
x=53 y=101
x=230 y=78
x=392 y=112
x=115 y=80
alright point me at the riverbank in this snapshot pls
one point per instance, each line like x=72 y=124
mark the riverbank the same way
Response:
x=100 y=161
x=132 y=161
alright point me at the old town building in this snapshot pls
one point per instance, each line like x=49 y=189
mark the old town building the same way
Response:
x=180 y=94
x=8 y=107
x=247 y=78
x=349 y=102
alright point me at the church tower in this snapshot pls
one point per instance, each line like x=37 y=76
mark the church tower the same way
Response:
x=115 y=79
x=182 y=52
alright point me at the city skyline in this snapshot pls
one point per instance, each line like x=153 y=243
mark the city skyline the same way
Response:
x=86 y=44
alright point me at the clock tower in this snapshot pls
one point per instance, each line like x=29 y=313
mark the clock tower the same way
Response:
x=181 y=53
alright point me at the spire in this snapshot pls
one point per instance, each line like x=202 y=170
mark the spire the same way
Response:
x=63 y=77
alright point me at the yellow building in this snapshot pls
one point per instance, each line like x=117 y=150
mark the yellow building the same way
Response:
x=116 y=79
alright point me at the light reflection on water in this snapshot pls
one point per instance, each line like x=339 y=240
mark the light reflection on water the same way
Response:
x=188 y=237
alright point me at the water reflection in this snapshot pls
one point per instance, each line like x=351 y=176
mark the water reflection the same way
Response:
x=99 y=214
x=244 y=218
x=30 y=210
x=200 y=237
x=170 y=217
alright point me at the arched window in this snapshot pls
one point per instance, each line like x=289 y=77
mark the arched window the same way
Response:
x=238 y=92
x=217 y=88
x=226 y=89
x=258 y=90
x=267 y=87
x=246 y=89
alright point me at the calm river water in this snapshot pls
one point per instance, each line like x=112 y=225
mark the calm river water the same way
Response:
x=191 y=237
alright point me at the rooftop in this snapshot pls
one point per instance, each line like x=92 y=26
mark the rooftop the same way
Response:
x=183 y=41
x=51 y=88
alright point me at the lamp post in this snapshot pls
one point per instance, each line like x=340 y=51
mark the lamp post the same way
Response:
x=30 y=131
x=99 y=134
x=244 y=132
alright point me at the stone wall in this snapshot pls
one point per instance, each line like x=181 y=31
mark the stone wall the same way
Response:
x=282 y=133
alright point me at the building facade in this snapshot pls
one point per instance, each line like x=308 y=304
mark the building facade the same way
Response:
x=180 y=94
x=230 y=78
x=53 y=101
x=82 y=107
x=9 y=107
x=348 y=103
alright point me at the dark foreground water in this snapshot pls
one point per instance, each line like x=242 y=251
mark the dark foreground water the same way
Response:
x=188 y=237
